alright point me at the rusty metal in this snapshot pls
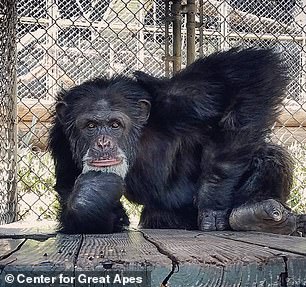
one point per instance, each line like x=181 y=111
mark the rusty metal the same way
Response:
x=191 y=10
x=177 y=41
x=167 y=39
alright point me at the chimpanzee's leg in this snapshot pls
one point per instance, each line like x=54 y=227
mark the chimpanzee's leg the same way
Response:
x=261 y=199
x=222 y=168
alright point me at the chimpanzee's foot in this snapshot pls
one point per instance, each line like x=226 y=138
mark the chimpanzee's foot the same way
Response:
x=301 y=224
x=210 y=220
x=266 y=216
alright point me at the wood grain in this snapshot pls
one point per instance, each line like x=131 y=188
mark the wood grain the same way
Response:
x=29 y=229
x=185 y=258
x=216 y=261
x=57 y=253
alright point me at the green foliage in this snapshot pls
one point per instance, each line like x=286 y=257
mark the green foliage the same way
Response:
x=297 y=200
x=36 y=197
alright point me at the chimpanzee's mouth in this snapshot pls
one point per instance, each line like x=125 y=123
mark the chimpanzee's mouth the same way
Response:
x=104 y=162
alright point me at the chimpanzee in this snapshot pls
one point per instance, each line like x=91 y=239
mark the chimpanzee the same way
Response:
x=94 y=141
x=192 y=149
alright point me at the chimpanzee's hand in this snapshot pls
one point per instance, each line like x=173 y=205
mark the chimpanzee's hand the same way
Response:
x=94 y=206
x=95 y=183
x=266 y=216
x=210 y=220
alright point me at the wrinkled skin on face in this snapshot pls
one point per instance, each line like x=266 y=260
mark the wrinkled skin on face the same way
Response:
x=100 y=134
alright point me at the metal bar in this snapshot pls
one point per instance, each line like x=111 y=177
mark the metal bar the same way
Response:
x=8 y=117
x=166 y=58
x=14 y=208
x=141 y=40
x=301 y=20
x=224 y=26
x=191 y=9
x=51 y=57
x=14 y=175
x=177 y=42
x=201 y=28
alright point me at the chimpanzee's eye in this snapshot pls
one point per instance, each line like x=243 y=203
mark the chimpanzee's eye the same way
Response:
x=115 y=124
x=91 y=125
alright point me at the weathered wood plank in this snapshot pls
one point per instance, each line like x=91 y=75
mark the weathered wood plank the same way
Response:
x=56 y=253
x=290 y=126
x=292 y=117
x=289 y=117
x=283 y=243
x=26 y=111
x=295 y=266
x=119 y=248
x=215 y=261
x=127 y=251
x=9 y=246
x=29 y=229
x=199 y=258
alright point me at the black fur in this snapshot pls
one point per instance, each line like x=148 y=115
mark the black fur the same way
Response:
x=209 y=124
x=94 y=205
x=204 y=149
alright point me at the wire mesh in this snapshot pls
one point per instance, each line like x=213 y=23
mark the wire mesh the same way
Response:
x=8 y=199
x=63 y=43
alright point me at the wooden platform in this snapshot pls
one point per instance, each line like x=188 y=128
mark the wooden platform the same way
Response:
x=197 y=258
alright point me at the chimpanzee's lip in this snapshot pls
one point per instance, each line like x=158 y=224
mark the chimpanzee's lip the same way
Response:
x=105 y=162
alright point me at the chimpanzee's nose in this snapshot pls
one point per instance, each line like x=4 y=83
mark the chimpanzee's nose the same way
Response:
x=105 y=142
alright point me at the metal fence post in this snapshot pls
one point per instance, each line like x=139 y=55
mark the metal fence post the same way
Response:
x=191 y=9
x=177 y=41
x=199 y=25
x=301 y=20
x=167 y=40
x=8 y=113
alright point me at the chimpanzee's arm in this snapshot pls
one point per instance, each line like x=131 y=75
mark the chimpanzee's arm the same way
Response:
x=66 y=170
x=94 y=205
x=89 y=202
x=217 y=186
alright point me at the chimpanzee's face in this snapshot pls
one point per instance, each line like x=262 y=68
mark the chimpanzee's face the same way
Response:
x=103 y=125
x=105 y=130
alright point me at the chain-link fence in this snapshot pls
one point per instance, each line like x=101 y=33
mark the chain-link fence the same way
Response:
x=8 y=199
x=63 y=43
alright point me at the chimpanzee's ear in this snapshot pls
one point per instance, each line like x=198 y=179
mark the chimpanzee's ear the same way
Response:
x=144 y=77
x=144 y=107
x=147 y=81
x=60 y=109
